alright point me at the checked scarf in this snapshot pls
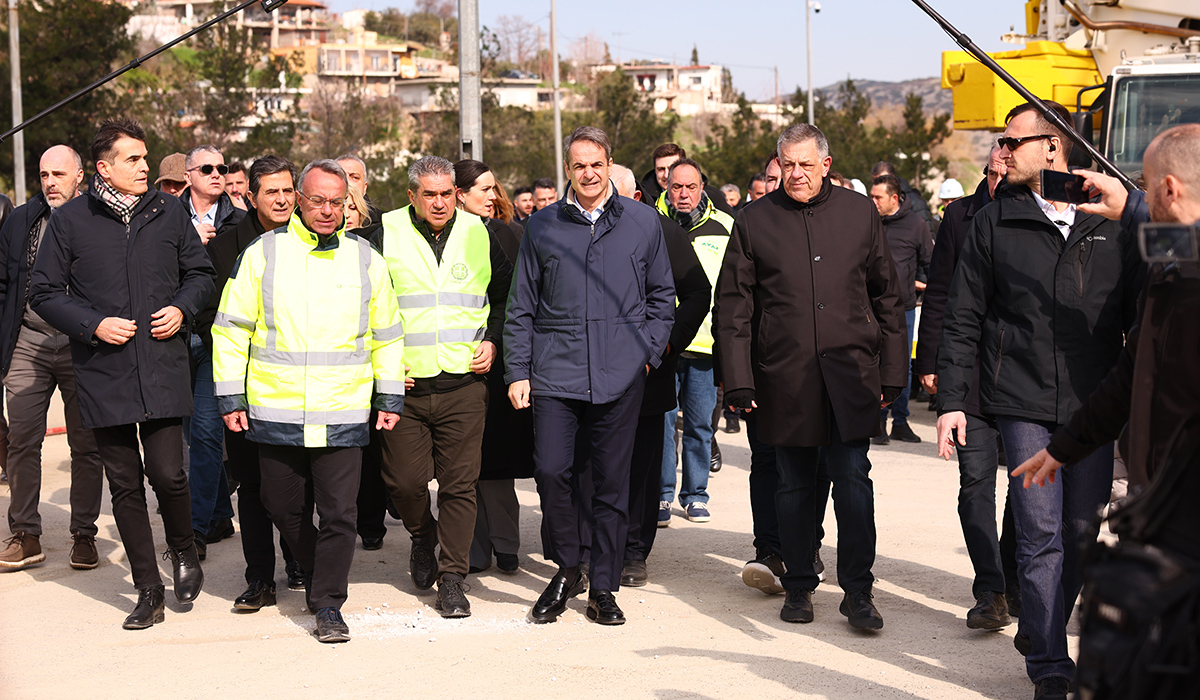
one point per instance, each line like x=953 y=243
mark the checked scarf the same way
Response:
x=121 y=204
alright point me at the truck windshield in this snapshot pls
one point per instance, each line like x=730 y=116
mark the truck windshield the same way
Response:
x=1144 y=107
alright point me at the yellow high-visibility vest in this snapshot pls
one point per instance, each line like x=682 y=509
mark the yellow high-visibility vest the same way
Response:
x=711 y=251
x=444 y=307
x=307 y=336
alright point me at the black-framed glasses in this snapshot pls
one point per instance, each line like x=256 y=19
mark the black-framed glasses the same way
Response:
x=207 y=168
x=319 y=202
x=1011 y=143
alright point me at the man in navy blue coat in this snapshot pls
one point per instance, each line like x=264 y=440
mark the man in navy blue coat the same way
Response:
x=590 y=312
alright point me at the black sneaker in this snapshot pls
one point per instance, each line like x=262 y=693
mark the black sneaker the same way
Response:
x=452 y=597
x=990 y=612
x=201 y=545
x=1052 y=688
x=1023 y=644
x=508 y=563
x=903 y=432
x=818 y=565
x=763 y=572
x=331 y=628
x=422 y=565
x=882 y=437
x=797 y=607
x=861 y=612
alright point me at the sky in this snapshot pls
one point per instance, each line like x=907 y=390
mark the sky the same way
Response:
x=888 y=40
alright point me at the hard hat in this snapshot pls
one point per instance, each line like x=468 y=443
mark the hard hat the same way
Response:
x=950 y=189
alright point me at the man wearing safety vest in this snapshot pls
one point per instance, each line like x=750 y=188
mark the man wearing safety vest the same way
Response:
x=307 y=340
x=708 y=228
x=451 y=280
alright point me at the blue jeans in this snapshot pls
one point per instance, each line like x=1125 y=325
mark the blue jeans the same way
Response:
x=1051 y=522
x=204 y=433
x=899 y=407
x=800 y=497
x=994 y=560
x=697 y=397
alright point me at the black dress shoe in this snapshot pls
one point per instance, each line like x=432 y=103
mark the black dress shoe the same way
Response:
x=452 y=597
x=149 y=609
x=861 y=612
x=508 y=563
x=882 y=437
x=633 y=574
x=732 y=425
x=295 y=576
x=422 y=565
x=219 y=530
x=372 y=543
x=1023 y=644
x=257 y=595
x=189 y=579
x=603 y=610
x=903 y=432
x=201 y=547
x=564 y=585
x=715 y=462
x=990 y=612
x=331 y=628
x=797 y=607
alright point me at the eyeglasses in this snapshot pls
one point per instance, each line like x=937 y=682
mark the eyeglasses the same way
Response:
x=209 y=167
x=319 y=202
x=1011 y=143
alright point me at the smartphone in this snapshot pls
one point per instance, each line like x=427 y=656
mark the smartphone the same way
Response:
x=1168 y=243
x=1063 y=187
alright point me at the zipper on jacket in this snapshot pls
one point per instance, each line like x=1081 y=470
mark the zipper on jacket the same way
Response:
x=593 y=225
x=999 y=357
x=1081 y=245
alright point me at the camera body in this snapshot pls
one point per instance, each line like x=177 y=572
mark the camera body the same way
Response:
x=1169 y=242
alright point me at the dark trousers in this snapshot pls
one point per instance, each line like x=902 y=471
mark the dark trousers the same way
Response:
x=764 y=482
x=326 y=551
x=797 y=500
x=41 y=362
x=556 y=423
x=497 y=521
x=258 y=532
x=162 y=443
x=994 y=560
x=372 y=492
x=439 y=436
x=645 y=484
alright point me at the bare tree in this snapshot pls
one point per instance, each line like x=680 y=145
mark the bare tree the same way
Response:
x=518 y=40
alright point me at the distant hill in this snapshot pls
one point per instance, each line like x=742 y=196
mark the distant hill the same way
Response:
x=936 y=100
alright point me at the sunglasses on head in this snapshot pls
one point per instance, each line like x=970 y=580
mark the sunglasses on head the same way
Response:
x=208 y=168
x=1011 y=143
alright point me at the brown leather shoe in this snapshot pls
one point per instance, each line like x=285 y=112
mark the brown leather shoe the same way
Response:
x=23 y=550
x=83 y=552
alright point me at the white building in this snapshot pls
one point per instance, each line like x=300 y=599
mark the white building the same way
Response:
x=684 y=90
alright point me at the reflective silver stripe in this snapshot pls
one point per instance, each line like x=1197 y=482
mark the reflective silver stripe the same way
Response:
x=416 y=340
x=230 y=388
x=390 y=333
x=416 y=301
x=268 y=287
x=309 y=359
x=471 y=301
x=364 y=271
x=460 y=335
x=389 y=386
x=299 y=417
x=225 y=320
x=424 y=301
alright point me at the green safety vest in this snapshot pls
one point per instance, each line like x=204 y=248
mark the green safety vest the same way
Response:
x=444 y=307
x=711 y=251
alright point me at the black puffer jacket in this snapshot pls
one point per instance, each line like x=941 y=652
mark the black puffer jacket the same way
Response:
x=1047 y=317
x=92 y=266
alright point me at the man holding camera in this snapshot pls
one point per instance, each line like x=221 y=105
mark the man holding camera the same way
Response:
x=1041 y=299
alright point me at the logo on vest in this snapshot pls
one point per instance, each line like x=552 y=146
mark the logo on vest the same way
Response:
x=459 y=271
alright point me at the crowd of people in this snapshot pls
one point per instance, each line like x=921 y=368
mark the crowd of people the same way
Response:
x=265 y=330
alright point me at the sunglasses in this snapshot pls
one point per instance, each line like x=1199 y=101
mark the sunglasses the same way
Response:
x=208 y=168
x=1011 y=143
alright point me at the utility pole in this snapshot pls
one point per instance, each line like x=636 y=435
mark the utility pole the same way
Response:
x=469 y=110
x=808 y=8
x=776 y=120
x=558 y=137
x=14 y=50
